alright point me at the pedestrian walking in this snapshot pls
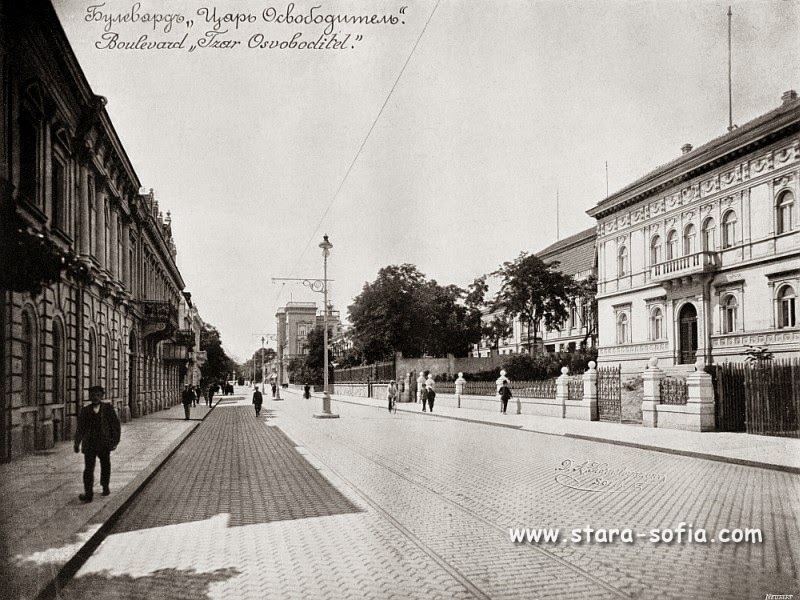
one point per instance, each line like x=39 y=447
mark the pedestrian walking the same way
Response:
x=423 y=397
x=97 y=435
x=187 y=397
x=258 y=399
x=210 y=395
x=431 y=397
x=274 y=389
x=505 y=396
x=420 y=387
x=391 y=394
x=306 y=391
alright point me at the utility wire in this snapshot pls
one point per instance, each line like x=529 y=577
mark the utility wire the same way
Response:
x=355 y=158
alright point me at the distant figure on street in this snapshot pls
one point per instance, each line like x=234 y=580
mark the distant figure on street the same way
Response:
x=274 y=389
x=420 y=387
x=187 y=397
x=210 y=394
x=505 y=396
x=430 y=382
x=258 y=400
x=431 y=397
x=97 y=436
x=306 y=391
x=391 y=393
x=423 y=397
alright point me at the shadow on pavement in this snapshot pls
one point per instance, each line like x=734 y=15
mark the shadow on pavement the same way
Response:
x=162 y=584
x=233 y=464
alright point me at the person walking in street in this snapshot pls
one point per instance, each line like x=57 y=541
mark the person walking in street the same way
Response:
x=210 y=395
x=187 y=397
x=423 y=397
x=97 y=435
x=391 y=394
x=505 y=396
x=431 y=397
x=258 y=400
x=274 y=389
x=198 y=392
x=306 y=391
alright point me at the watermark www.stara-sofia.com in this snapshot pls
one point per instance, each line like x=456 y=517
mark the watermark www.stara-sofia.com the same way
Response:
x=683 y=533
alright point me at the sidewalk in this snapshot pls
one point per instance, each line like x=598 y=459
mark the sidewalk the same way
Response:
x=43 y=524
x=739 y=448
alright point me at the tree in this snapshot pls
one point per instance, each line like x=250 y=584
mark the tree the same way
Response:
x=310 y=368
x=535 y=292
x=218 y=364
x=497 y=328
x=401 y=311
x=587 y=296
x=252 y=366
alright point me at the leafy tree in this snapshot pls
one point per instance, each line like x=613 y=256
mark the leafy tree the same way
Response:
x=253 y=365
x=496 y=329
x=587 y=295
x=535 y=292
x=401 y=311
x=218 y=364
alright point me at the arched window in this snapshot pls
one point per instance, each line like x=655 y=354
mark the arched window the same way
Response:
x=729 y=307
x=786 y=307
x=785 y=207
x=92 y=359
x=622 y=262
x=656 y=324
x=109 y=385
x=709 y=235
x=689 y=240
x=59 y=363
x=729 y=229
x=655 y=250
x=622 y=328
x=92 y=217
x=672 y=245
x=29 y=365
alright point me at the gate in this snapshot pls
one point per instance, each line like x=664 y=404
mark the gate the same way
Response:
x=609 y=393
x=761 y=398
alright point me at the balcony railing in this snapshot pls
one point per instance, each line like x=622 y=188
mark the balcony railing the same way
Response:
x=184 y=337
x=692 y=264
x=174 y=352
x=158 y=311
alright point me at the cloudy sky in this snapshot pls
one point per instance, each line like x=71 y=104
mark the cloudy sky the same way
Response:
x=441 y=140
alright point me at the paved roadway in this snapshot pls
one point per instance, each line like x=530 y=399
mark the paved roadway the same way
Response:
x=374 y=505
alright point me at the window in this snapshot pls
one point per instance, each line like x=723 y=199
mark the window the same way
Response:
x=622 y=328
x=709 y=235
x=59 y=194
x=689 y=240
x=92 y=218
x=573 y=316
x=672 y=245
x=107 y=237
x=29 y=346
x=729 y=306
x=59 y=363
x=655 y=250
x=28 y=157
x=109 y=385
x=92 y=359
x=786 y=307
x=785 y=207
x=656 y=324
x=729 y=229
x=622 y=262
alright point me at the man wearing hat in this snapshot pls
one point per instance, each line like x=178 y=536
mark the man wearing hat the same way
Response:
x=97 y=435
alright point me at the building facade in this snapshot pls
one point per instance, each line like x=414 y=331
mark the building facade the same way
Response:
x=700 y=258
x=89 y=288
x=294 y=322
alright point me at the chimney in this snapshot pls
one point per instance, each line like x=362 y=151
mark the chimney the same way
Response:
x=789 y=96
x=686 y=148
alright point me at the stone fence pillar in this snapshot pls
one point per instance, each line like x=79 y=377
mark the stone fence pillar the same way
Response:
x=700 y=403
x=562 y=390
x=652 y=393
x=586 y=409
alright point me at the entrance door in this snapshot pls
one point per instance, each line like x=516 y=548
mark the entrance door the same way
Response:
x=688 y=335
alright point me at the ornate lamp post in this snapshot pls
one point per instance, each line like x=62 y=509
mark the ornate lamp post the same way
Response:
x=326 y=396
x=263 y=381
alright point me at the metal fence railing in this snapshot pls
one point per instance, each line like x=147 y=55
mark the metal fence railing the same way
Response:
x=674 y=391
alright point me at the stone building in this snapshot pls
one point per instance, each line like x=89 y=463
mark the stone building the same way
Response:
x=294 y=322
x=89 y=288
x=699 y=258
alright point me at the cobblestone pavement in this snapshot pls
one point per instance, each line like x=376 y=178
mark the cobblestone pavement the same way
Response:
x=374 y=505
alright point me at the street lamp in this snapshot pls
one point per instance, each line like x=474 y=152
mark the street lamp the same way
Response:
x=262 y=362
x=326 y=397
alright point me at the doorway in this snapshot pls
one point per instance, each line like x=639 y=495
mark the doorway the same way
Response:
x=687 y=319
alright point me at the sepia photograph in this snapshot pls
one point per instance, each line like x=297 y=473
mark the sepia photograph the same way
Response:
x=360 y=299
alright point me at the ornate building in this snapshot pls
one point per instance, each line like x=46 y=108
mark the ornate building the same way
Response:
x=89 y=288
x=294 y=322
x=699 y=258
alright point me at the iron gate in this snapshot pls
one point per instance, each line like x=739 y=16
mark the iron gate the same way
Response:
x=609 y=393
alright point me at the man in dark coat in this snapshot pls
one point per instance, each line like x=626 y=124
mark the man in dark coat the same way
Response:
x=97 y=435
x=258 y=399
x=187 y=397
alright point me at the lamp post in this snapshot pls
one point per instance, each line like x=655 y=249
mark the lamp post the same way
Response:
x=262 y=362
x=326 y=397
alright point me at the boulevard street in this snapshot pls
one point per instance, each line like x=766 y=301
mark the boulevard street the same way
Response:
x=375 y=505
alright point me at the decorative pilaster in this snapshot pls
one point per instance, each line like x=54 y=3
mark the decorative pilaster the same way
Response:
x=562 y=391
x=652 y=393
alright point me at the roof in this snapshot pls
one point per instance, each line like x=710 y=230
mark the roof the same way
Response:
x=575 y=253
x=758 y=132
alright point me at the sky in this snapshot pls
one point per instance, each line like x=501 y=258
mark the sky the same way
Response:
x=443 y=139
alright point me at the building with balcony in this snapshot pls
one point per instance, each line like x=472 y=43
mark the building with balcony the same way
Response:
x=89 y=288
x=699 y=258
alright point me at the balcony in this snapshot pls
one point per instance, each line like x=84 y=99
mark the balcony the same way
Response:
x=160 y=319
x=184 y=337
x=687 y=267
x=174 y=352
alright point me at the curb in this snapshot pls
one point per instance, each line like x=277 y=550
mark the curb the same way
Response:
x=689 y=453
x=111 y=513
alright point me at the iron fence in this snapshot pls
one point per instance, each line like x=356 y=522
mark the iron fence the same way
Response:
x=609 y=393
x=535 y=389
x=674 y=390
x=576 y=389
